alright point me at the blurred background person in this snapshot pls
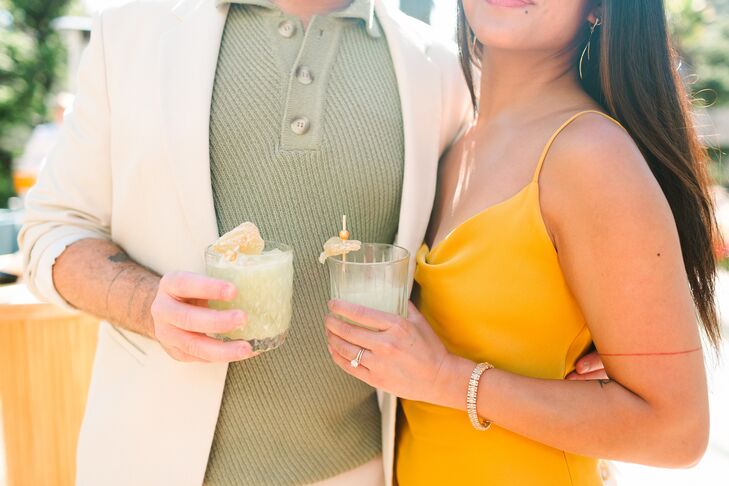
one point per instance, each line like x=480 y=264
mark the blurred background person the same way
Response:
x=42 y=140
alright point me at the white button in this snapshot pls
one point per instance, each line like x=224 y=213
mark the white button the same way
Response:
x=300 y=125
x=304 y=75
x=287 y=29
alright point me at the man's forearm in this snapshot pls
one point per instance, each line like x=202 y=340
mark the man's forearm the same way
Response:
x=98 y=277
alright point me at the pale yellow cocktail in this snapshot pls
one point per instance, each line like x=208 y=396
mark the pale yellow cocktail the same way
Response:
x=264 y=281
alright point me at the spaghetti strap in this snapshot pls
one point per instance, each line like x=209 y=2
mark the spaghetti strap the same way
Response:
x=554 y=136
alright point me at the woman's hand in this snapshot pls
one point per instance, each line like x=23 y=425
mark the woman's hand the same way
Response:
x=401 y=356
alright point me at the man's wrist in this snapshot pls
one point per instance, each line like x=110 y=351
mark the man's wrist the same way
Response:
x=130 y=298
x=140 y=305
x=150 y=295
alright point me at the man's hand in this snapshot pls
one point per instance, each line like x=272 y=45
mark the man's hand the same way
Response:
x=98 y=277
x=589 y=367
x=182 y=319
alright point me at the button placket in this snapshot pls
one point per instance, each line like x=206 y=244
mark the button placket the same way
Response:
x=301 y=128
x=287 y=47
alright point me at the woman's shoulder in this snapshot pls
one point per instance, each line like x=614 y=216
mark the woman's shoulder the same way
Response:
x=596 y=145
x=594 y=151
x=594 y=165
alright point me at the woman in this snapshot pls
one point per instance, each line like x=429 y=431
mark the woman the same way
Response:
x=575 y=211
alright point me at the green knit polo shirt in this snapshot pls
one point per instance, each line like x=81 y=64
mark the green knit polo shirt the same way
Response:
x=305 y=126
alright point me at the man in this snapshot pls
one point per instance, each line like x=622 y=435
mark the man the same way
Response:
x=192 y=117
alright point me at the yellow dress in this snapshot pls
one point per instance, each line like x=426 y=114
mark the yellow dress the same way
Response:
x=493 y=291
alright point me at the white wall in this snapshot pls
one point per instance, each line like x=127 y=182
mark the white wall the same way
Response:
x=95 y=5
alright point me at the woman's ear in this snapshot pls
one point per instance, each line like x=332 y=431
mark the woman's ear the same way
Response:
x=595 y=12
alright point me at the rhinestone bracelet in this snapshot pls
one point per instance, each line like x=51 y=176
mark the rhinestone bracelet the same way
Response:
x=472 y=395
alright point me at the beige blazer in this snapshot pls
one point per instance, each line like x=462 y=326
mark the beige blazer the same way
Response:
x=132 y=165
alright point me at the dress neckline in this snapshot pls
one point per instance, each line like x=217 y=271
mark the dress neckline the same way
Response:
x=481 y=214
x=533 y=183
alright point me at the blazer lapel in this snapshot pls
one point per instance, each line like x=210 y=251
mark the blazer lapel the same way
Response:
x=420 y=96
x=188 y=59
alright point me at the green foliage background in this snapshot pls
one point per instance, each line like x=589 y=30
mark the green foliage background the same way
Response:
x=31 y=61
x=700 y=30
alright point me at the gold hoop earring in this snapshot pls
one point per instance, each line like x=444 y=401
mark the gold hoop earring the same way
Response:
x=586 y=50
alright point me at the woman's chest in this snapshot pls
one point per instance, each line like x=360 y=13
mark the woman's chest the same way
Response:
x=477 y=173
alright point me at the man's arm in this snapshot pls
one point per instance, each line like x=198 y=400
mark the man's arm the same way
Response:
x=69 y=258
x=99 y=277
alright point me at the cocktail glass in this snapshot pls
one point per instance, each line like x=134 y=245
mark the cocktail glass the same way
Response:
x=375 y=276
x=265 y=286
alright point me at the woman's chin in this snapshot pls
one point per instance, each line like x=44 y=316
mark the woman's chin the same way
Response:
x=504 y=40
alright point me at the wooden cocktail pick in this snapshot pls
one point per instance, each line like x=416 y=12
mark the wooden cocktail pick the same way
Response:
x=344 y=234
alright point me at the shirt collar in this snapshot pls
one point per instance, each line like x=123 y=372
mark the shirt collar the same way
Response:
x=363 y=10
x=358 y=9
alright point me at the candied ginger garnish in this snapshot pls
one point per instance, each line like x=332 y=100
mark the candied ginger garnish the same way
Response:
x=244 y=239
x=337 y=246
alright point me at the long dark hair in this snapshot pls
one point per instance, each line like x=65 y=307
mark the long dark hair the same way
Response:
x=635 y=78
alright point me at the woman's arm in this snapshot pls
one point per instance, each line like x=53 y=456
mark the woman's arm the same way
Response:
x=598 y=418
x=620 y=254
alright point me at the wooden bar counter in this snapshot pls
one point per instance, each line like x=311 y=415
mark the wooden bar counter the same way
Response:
x=46 y=354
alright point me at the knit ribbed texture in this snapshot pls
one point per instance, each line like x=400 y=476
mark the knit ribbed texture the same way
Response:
x=290 y=416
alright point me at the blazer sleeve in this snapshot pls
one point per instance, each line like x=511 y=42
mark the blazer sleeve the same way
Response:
x=72 y=198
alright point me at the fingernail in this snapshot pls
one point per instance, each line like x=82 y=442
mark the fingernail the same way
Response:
x=241 y=317
x=584 y=367
x=244 y=349
x=230 y=292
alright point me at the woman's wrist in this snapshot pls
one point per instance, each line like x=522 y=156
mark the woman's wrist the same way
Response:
x=452 y=383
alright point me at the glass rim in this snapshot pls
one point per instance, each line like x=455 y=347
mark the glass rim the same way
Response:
x=406 y=256
x=285 y=248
